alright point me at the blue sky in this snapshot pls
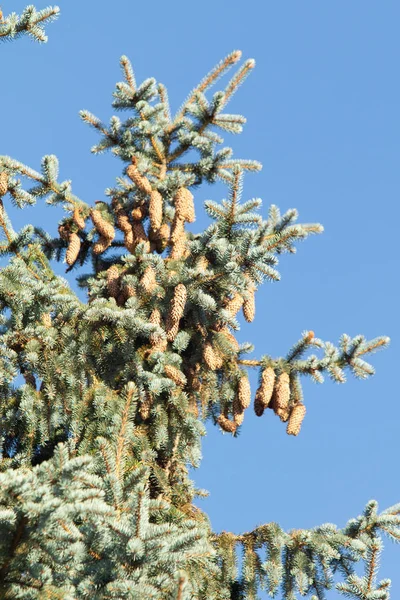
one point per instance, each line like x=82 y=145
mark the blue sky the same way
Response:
x=322 y=110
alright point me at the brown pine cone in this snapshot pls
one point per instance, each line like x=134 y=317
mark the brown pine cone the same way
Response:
x=226 y=424
x=266 y=388
x=74 y=246
x=238 y=411
x=234 y=305
x=105 y=229
x=78 y=219
x=249 y=306
x=148 y=281
x=176 y=311
x=184 y=205
x=244 y=392
x=101 y=245
x=112 y=281
x=282 y=396
x=156 y=209
x=212 y=358
x=3 y=183
x=258 y=404
x=139 y=180
x=176 y=375
x=296 y=418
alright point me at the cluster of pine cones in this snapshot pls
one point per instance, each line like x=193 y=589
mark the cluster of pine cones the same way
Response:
x=274 y=392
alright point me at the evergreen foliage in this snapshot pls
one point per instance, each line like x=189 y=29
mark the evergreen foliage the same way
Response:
x=95 y=497
x=31 y=22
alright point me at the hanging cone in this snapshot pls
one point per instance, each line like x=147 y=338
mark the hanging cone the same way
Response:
x=176 y=310
x=295 y=420
x=179 y=248
x=282 y=396
x=156 y=209
x=139 y=234
x=78 y=219
x=238 y=411
x=138 y=179
x=266 y=388
x=105 y=229
x=175 y=374
x=101 y=245
x=226 y=424
x=129 y=240
x=177 y=230
x=234 y=305
x=160 y=237
x=3 y=183
x=158 y=342
x=74 y=246
x=258 y=404
x=202 y=263
x=184 y=205
x=244 y=392
x=212 y=359
x=112 y=281
x=145 y=406
x=148 y=281
x=249 y=306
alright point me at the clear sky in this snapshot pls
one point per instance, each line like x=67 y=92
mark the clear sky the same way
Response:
x=323 y=118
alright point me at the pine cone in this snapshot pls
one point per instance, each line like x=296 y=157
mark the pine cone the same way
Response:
x=129 y=240
x=193 y=378
x=101 y=245
x=231 y=338
x=176 y=310
x=177 y=230
x=282 y=396
x=139 y=234
x=266 y=388
x=244 y=392
x=176 y=375
x=226 y=424
x=295 y=420
x=234 y=305
x=259 y=406
x=74 y=246
x=202 y=263
x=156 y=209
x=184 y=205
x=212 y=359
x=112 y=281
x=238 y=411
x=3 y=183
x=145 y=406
x=158 y=342
x=249 y=306
x=148 y=281
x=105 y=229
x=138 y=179
x=179 y=248
x=78 y=219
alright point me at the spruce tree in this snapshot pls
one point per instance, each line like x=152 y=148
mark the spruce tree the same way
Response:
x=103 y=402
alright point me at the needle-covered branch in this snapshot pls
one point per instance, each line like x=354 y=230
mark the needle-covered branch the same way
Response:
x=31 y=22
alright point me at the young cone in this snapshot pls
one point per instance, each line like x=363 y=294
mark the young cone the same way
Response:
x=74 y=246
x=295 y=420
